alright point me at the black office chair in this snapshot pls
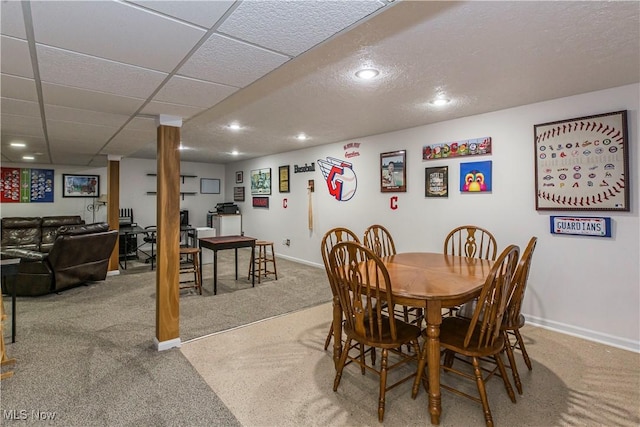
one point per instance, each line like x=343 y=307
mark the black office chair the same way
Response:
x=150 y=237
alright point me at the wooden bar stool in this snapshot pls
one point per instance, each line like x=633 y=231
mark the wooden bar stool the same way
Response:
x=262 y=259
x=191 y=267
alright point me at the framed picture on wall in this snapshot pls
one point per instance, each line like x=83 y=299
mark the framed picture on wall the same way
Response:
x=261 y=181
x=583 y=164
x=475 y=177
x=239 y=177
x=80 y=185
x=283 y=176
x=436 y=182
x=393 y=172
x=238 y=194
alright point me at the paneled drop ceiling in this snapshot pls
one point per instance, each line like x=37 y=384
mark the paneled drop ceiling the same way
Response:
x=85 y=79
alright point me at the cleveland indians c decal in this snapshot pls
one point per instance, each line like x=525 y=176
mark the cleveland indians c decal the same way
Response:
x=340 y=178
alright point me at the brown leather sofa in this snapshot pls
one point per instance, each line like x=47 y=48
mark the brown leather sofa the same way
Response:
x=34 y=233
x=79 y=253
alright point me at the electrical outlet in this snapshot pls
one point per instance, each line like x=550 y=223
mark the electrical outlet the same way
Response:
x=288 y=242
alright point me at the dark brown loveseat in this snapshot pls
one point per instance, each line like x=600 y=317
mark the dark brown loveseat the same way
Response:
x=80 y=253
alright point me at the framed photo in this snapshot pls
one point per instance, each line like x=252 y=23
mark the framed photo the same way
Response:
x=475 y=177
x=261 y=181
x=239 y=177
x=209 y=186
x=393 y=172
x=80 y=185
x=436 y=182
x=583 y=164
x=283 y=175
x=238 y=194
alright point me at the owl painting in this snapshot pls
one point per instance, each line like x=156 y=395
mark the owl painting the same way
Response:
x=475 y=177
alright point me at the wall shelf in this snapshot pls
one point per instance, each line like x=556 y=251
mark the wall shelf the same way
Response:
x=182 y=193
x=181 y=176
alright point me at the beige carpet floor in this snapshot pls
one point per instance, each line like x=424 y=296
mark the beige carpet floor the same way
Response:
x=276 y=373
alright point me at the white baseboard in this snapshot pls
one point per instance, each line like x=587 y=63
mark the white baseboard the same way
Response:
x=587 y=334
x=166 y=345
x=113 y=273
x=301 y=261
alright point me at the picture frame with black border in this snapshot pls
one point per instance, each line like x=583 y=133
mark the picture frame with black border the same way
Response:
x=436 y=181
x=76 y=185
x=393 y=172
x=239 y=177
x=283 y=179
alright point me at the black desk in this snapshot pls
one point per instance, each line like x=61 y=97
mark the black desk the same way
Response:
x=127 y=232
x=9 y=267
x=227 y=242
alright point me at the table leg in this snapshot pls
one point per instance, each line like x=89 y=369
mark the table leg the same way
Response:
x=253 y=265
x=13 y=313
x=126 y=237
x=215 y=271
x=236 y=249
x=434 y=319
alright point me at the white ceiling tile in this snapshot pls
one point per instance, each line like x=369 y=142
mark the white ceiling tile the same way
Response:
x=230 y=62
x=203 y=13
x=18 y=88
x=292 y=27
x=115 y=31
x=198 y=93
x=74 y=115
x=89 y=100
x=64 y=153
x=88 y=72
x=15 y=57
x=156 y=108
x=84 y=133
x=145 y=124
x=12 y=21
x=35 y=144
x=20 y=107
x=21 y=125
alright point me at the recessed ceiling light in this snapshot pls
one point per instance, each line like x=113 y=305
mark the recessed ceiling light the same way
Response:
x=235 y=152
x=301 y=137
x=18 y=144
x=367 y=73
x=234 y=126
x=28 y=158
x=438 y=102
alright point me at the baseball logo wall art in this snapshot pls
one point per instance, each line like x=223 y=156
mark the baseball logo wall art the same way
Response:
x=583 y=164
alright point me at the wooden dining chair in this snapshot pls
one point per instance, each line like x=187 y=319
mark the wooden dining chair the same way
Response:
x=513 y=319
x=330 y=239
x=379 y=240
x=481 y=336
x=362 y=284
x=471 y=241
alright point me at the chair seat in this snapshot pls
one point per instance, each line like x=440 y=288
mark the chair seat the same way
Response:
x=507 y=325
x=405 y=333
x=453 y=331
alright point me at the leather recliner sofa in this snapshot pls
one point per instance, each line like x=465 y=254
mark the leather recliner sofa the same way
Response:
x=80 y=253
x=34 y=233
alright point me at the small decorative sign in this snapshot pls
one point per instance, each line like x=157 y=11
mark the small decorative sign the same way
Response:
x=582 y=226
x=261 y=202
x=465 y=148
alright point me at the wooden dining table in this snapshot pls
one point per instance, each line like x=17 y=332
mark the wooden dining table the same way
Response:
x=433 y=282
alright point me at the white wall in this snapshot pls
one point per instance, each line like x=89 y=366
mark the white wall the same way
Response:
x=134 y=185
x=61 y=205
x=581 y=285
